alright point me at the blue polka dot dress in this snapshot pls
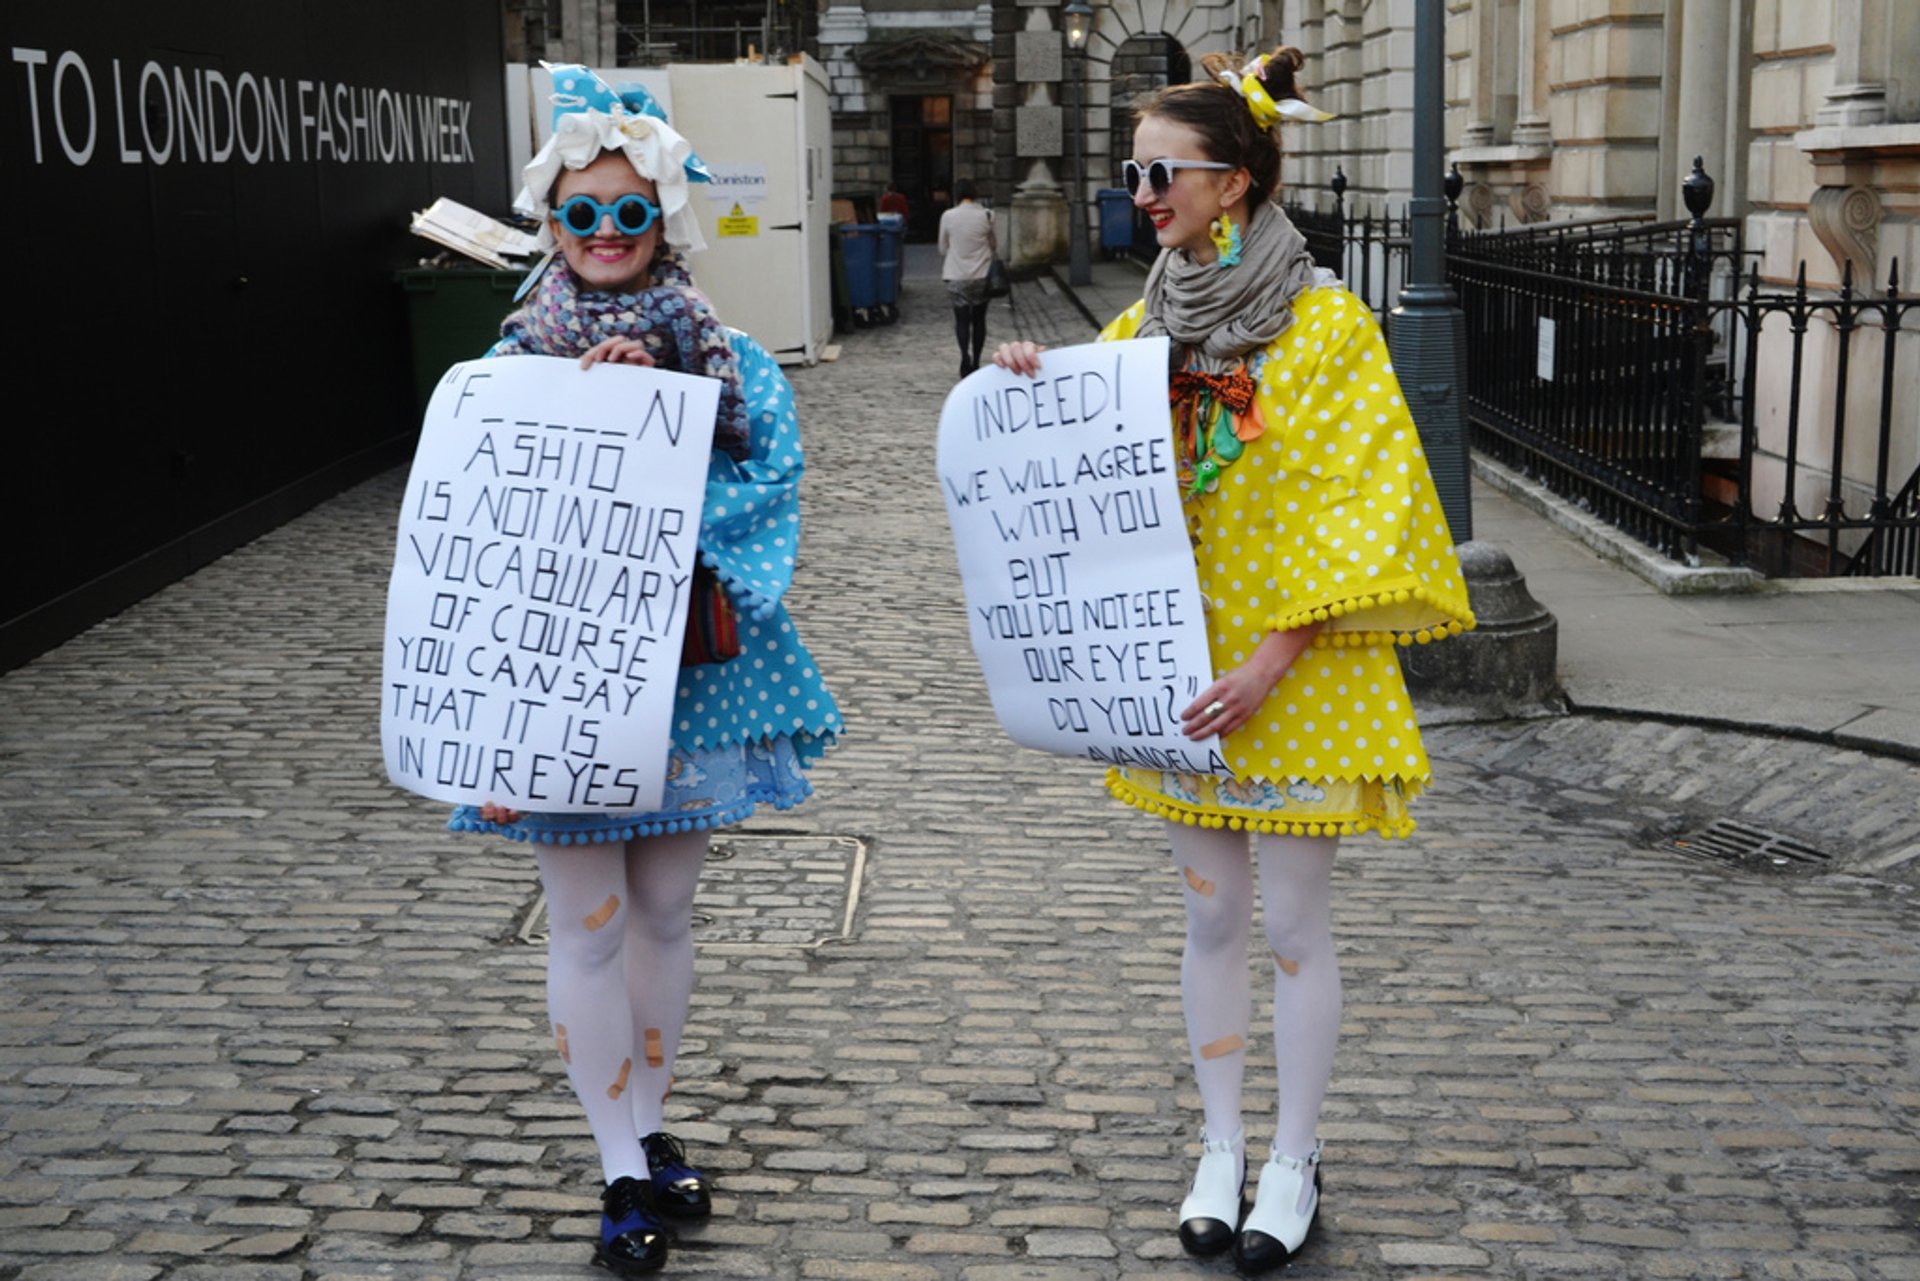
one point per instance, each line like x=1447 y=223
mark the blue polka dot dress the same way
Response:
x=744 y=731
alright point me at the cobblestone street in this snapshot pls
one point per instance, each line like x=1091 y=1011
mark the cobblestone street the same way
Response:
x=267 y=1021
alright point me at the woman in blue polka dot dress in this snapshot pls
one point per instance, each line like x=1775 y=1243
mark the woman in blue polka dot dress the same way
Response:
x=611 y=190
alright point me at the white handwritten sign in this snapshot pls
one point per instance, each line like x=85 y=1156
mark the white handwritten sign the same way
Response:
x=540 y=584
x=1081 y=593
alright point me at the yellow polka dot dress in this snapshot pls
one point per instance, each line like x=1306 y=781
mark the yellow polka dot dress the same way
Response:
x=1329 y=515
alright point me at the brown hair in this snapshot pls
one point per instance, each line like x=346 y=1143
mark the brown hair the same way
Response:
x=1221 y=118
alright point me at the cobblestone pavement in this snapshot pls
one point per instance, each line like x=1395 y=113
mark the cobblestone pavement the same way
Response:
x=266 y=1021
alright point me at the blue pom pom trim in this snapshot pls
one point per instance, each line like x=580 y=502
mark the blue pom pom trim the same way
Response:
x=641 y=825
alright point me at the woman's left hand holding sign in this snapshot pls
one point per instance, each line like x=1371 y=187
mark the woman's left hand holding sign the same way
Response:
x=619 y=351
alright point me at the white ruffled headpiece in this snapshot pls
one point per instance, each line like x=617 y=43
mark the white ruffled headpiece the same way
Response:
x=590 y=118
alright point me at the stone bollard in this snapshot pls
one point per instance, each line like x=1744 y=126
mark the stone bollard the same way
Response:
x=1504 y=668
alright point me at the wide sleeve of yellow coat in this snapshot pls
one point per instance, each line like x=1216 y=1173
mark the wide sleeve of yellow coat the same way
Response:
x=1329 y=515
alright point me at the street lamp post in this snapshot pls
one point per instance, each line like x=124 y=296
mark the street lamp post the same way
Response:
x=1428 y=331
x=1505 y=666
x=1079 y=25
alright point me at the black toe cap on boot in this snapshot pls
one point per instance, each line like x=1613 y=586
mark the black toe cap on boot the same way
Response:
x=1206 y=1237
x=683 y=1198
x=1258 y=1252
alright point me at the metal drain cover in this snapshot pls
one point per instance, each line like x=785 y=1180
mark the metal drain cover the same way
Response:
x=764 y=891
x=1753 y=848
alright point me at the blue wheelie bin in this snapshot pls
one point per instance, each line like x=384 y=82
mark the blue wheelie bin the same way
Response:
x=888 y=265
x=871 y=255
x=1116 y=221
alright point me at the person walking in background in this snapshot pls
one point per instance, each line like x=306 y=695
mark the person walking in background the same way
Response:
x=611 y=189
x=1318 y=543
x=967 y=245
x=894 y=201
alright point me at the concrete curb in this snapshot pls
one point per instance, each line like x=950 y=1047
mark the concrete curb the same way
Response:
x=1668 y=577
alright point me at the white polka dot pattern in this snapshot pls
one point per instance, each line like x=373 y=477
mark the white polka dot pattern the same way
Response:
x=750 y=535
x=1328 y=517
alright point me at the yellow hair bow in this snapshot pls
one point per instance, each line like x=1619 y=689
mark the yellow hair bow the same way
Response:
x=1251 y=84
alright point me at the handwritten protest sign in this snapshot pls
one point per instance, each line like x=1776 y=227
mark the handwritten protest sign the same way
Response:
x=540 y=584
x=1081 y=593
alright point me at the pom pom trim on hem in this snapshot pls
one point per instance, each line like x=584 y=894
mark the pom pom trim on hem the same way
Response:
x=1195 y=816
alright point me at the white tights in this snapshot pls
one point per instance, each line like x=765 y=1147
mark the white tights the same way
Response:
x=619 y=976
x=1296 y=880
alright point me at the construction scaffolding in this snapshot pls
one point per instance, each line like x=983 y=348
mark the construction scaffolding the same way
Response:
x=653 y=33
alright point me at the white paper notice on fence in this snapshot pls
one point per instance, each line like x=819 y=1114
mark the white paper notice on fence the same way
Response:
x=540 y=584
x=1081 y=593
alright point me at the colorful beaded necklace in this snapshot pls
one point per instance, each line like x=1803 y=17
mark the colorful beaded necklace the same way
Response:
x=1214 y=417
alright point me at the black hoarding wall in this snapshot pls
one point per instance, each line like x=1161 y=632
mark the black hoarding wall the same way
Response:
x=209 y=201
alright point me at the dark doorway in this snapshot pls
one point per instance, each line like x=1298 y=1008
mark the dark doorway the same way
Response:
x=923 y=159
x=1139 y=66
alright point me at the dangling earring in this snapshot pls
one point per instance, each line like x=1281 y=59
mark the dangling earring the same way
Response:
x=1226 y=238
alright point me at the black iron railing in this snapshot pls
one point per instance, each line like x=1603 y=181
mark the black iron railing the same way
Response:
x=1640 y=369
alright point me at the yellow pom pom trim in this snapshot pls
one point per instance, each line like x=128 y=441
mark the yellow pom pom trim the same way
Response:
x=1173 y=812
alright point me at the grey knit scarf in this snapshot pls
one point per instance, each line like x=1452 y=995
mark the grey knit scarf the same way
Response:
x=1216 y=315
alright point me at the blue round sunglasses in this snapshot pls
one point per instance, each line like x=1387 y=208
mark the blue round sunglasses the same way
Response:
x=631 y=214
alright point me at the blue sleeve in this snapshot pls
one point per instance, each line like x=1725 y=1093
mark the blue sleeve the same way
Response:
x=750 y=527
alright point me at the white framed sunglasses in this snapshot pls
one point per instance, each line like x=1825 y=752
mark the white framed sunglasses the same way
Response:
x=1159 y=173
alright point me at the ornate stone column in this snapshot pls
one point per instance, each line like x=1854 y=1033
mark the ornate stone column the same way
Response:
x=1485 y=51
x=1701 y=126
x=1039 y=221
x=1504 y=178
x=1860 y=65
x=1531 y=127
x=1859 y=160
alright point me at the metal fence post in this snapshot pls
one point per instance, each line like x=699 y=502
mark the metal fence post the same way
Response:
x=1697 y=192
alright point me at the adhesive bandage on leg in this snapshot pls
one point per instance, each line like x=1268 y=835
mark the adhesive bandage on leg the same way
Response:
x=662 y=874
x=1296 y=897
x=587 y=994
x=619 y=1085
x=1224 y=1046
x=1214 y=983
x=598 y=918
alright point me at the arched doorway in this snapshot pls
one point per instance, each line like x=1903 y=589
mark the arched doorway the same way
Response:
x=1140 y=65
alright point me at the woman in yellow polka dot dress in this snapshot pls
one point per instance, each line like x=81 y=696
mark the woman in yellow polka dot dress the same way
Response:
x=1320 y=546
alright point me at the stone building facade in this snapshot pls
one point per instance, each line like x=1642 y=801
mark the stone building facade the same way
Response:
x=912 y=96
x=1041 y=97
x=1805 y=112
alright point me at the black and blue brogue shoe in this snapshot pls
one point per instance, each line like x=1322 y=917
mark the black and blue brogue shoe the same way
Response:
x=632 y=1238
x=679 y=1190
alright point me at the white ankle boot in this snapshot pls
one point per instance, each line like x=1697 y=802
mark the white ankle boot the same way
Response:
x=1278 y=1225
x=1211 y=1213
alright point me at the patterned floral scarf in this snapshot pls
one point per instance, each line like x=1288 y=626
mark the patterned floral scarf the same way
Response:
x=673 y=321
